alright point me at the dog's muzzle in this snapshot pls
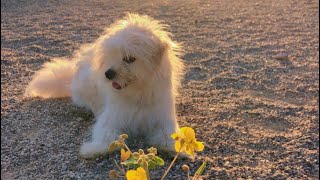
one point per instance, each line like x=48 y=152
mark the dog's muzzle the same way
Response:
x=110 y=74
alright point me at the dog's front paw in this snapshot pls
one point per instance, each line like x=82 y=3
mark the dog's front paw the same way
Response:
x=90 y=150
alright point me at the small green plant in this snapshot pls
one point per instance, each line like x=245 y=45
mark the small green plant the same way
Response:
x=136 y=165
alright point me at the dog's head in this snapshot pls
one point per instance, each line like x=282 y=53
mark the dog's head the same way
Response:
x=132 y=52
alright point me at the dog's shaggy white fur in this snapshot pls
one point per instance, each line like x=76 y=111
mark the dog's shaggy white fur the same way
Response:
x=128 y=77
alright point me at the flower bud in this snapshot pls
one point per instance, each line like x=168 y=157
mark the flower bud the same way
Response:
x=152 y=150
x=141 y=152
x=135 y=155
x=124 y=136
x=113 y=146
x=113 y=174
x=185 y=168
x=150 y=155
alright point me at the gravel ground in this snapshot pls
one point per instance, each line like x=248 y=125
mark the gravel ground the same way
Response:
x=251 y=88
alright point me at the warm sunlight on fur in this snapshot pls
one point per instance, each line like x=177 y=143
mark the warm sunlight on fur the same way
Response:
x=128 y=78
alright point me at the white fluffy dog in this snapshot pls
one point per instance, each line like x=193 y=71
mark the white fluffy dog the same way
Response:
x=128 y=77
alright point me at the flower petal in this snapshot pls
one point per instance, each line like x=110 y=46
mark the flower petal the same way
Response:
x=183 y=130
x=139 y=174
x=142 y=173
x=124 y=155
x=177 y=146
x=199 y=146
x=175 y=136
x=188 y=133
x=190 y=150
x=132 y=175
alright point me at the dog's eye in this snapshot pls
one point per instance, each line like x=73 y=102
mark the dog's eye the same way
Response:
x=129 y=59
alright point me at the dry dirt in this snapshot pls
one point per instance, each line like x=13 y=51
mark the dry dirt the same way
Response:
x=257 y=112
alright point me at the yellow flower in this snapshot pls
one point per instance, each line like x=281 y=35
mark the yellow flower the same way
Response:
x=186 y=141
x=139 y=174
x=124 y=155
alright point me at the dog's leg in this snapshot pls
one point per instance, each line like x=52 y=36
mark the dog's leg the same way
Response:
x=160 y=137
x=101 y=138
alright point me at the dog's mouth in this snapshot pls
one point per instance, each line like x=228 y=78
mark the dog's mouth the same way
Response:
x=116 y=85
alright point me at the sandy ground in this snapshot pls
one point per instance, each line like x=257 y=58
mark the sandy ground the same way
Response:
x=257 y=114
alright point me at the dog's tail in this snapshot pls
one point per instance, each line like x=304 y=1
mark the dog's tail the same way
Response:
x=53 y=80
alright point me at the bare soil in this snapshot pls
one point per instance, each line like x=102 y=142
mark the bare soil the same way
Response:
x=251 y=89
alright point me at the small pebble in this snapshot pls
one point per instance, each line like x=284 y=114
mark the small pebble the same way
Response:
x=282 y=56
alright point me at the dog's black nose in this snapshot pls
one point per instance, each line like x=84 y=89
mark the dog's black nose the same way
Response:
x=110 y=74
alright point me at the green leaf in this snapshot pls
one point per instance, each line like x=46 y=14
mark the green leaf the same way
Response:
x=158 y=161
x=136 y=166
x=201 y=168
x=152 y=165
x=129 y=162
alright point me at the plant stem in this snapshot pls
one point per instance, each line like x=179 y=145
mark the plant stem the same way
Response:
x=175 y=158
x=126 y=147
x=148 y=175
x=122 y=170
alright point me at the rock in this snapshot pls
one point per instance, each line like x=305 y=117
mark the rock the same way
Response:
x=282 y=56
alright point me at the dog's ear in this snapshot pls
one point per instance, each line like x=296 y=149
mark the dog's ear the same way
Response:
x=96 y=64
x=99 y=52
x=97 y=61
x=171 y=48
x=163 y=48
